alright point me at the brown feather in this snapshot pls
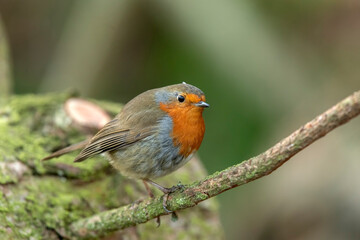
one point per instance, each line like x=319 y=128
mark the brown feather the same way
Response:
x=137 y=120
x=66 y=150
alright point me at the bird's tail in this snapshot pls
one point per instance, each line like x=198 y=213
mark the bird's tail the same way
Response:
x=66 y=150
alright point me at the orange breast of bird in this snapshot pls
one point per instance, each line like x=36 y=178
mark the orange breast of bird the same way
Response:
x=188 y=124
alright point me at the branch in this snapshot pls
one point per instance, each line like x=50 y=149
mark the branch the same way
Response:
x=234 y=176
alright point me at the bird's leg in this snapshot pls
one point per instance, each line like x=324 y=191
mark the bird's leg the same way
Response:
x=148 y=189
x=165 y=190
x=152 y=196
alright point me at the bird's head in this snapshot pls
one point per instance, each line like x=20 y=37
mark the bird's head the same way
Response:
x=181 y=97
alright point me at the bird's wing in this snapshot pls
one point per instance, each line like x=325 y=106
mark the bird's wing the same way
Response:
x=115 y=135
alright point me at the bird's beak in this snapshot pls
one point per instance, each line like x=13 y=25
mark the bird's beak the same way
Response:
x=202 y=104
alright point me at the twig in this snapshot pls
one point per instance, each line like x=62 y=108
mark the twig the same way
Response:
x=234 y=176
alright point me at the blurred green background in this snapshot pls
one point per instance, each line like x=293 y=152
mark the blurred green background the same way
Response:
x=266 y=67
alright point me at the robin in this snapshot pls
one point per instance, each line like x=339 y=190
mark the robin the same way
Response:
x=155 y=133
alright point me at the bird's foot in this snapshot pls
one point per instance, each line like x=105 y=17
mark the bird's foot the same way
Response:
x=166 y=192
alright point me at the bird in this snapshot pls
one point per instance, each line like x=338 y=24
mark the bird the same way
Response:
x=154 y=134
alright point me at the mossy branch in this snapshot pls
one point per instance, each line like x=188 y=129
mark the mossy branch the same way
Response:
x=234 y=176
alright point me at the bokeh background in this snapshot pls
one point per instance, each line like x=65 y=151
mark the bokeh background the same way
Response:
x=266 y=67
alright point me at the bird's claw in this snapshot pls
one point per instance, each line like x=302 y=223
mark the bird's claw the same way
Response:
x=166 y=195
x=174 y=188
x=165 y=198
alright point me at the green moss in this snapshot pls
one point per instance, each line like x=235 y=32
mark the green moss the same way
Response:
x=32 y=126
x=5 y=175
x=37 y=205
x=64 y=166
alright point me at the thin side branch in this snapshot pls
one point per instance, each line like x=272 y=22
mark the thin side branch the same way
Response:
x=234 y=176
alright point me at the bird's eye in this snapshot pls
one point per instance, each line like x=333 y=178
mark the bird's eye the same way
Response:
x=180 y=98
